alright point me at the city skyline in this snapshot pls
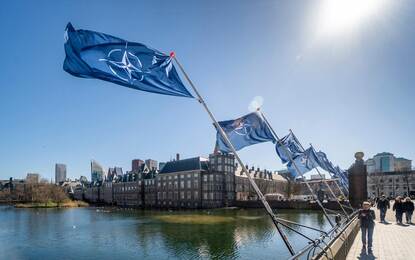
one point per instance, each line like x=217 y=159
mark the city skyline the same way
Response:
x=334 y=91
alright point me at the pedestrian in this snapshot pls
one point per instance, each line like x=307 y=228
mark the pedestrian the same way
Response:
x=408 y=205
x=383 y=205
x=367 y=224
x=398 y=208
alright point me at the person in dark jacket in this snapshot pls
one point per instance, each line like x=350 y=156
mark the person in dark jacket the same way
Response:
x=399 y=209
x=408 y=205
x=383 y=205
x=367 y=217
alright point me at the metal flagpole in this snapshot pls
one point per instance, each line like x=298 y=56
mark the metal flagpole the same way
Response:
x=330 y=189
x=229 y=144
x=299 y=172
x=298 y=141
x=325 y=181
x=338 y=187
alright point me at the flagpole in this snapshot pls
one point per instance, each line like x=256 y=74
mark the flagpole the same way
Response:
x=229 y=144
x=325 y=181
x=298 y=171
x=337 y=185
x=328 y=186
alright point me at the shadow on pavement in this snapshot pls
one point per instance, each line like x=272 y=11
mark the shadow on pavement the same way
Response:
x=364 y=256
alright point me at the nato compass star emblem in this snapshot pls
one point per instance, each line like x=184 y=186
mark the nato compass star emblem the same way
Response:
x=129 y=68
x=242 y=128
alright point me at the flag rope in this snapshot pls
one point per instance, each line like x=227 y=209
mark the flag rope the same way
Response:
x=338 y=187
x=229 y=144
x=299 y=172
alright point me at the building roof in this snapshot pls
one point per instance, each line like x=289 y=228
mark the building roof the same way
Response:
x=191 y=164
x=383 y=154
x=401 y=158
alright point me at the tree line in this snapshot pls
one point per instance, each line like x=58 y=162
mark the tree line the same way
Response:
x=34 y=193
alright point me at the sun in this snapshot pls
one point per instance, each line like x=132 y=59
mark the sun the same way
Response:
x=339 y=17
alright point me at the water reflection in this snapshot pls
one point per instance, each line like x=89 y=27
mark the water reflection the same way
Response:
x=136 y=234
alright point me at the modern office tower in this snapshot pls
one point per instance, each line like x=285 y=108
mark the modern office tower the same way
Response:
x=97 y=172
x=402 y=164
x=60 y=172
x=387 y=162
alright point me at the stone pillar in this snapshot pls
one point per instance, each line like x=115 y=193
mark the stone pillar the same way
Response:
x=358 y=181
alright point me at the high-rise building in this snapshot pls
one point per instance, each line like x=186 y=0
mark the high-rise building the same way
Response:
x=387 y=162
x=136 y=164
x=60 y=172
x=32 y=178
x=402 y=164
x=152 y=164
x=97 y=172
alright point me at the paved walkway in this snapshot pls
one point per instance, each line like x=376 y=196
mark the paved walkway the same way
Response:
x=390 y=241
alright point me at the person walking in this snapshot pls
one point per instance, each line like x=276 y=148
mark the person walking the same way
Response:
x=408 y=205
x=383 y=205
x=367 y=217
x=398 y=208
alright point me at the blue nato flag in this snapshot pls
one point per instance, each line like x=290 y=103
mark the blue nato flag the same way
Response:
x=97 y=55
x=324 y=162
x=244 y=131
x=303 y=163
x=287 y=147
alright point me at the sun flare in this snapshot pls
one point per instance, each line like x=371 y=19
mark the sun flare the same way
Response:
x=346 y=16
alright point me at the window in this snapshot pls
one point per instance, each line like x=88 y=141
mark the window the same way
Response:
x=189 y=195
x=182 y=184
x=220 y=167
x=205 y=195
x=196 y=195
x=189 y=175
x=205 y=178
x=189 y=184
x=211 y=177
x=182 y=195
x=196 y=175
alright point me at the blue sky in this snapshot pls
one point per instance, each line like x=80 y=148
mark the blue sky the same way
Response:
x=345 y=90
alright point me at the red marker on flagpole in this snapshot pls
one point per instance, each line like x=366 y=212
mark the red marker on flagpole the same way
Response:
x=172 y=54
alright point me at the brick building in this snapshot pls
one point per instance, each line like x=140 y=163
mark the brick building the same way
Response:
x=190 y=183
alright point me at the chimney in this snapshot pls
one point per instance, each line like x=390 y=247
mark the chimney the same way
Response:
x=177 y=156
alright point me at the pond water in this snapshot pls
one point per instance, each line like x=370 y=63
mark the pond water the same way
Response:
x=111 y=233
